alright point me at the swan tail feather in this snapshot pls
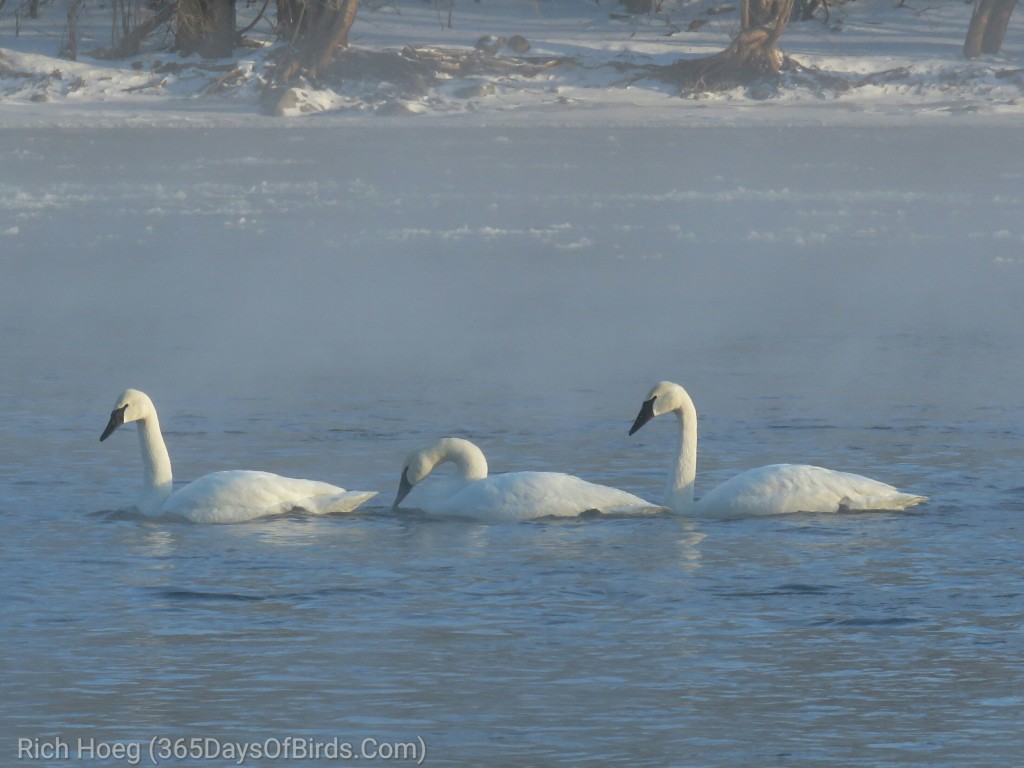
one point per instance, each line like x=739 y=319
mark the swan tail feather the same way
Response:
x=338 y=503
x=880 y=503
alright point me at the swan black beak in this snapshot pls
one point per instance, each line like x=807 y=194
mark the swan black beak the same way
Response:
x=645 y=415
x=116 y=420
x=403 y=488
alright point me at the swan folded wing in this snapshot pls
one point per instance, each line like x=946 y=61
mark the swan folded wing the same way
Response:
x=864 y=494
x=788 y=488
x=238 y=495
x=528 y=495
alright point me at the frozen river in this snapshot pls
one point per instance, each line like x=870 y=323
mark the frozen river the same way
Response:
x=317 y=302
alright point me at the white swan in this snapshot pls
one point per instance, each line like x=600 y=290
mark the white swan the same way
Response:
x=774 y=489
x=511 y=496
x=221 y=497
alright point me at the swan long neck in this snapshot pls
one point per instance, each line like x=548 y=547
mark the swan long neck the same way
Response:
x=679 y=491
x=157 y=480
x=468 y=459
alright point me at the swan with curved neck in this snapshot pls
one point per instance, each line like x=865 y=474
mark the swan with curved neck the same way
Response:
x=510 y=496
x=221 y=497
x=773 y=489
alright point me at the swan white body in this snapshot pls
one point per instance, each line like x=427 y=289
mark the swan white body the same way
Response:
x=221 y=497
x=511 y=496
x=770 y=490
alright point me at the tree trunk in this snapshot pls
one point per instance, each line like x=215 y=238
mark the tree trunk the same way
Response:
x=317 y=30
x=206 y=27
x=753 y=54
x=129 y=43
x=988 y=27
x=289 y=17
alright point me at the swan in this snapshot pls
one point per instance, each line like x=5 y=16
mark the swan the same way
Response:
x=221 y=497
x=773 y=489
x=512 y=496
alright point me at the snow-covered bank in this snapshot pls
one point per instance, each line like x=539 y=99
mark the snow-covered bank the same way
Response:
x=893 y=64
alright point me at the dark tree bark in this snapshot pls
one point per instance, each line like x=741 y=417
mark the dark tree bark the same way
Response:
x=289 y=17
x=132 y=38
x=988 y=27
x=754 y=53
x=317 y=31
x=206 y=27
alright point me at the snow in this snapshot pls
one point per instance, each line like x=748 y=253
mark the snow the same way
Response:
x=899 y=63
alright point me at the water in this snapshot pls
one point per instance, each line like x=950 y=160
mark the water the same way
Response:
x=319 y=302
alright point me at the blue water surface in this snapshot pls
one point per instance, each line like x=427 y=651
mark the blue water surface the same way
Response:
x=317 y=302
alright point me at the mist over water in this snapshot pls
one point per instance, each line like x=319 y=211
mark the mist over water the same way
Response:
x=318 y=302
x=540 y=258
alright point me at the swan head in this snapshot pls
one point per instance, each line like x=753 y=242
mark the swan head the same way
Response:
x=664 y=397
x=132 y=405
x=420 y=463
x=416 y=468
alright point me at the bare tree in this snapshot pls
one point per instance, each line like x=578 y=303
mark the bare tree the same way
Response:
x=988 y=27
x=753 y=54
x=317 y=31
x=69 y=39
x=129 y=30
x=206 y=27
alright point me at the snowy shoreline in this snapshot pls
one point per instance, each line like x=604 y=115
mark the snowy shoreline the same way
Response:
x=925 y=79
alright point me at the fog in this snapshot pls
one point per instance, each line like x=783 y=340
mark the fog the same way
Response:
x=567 y=267
x=318 y=302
